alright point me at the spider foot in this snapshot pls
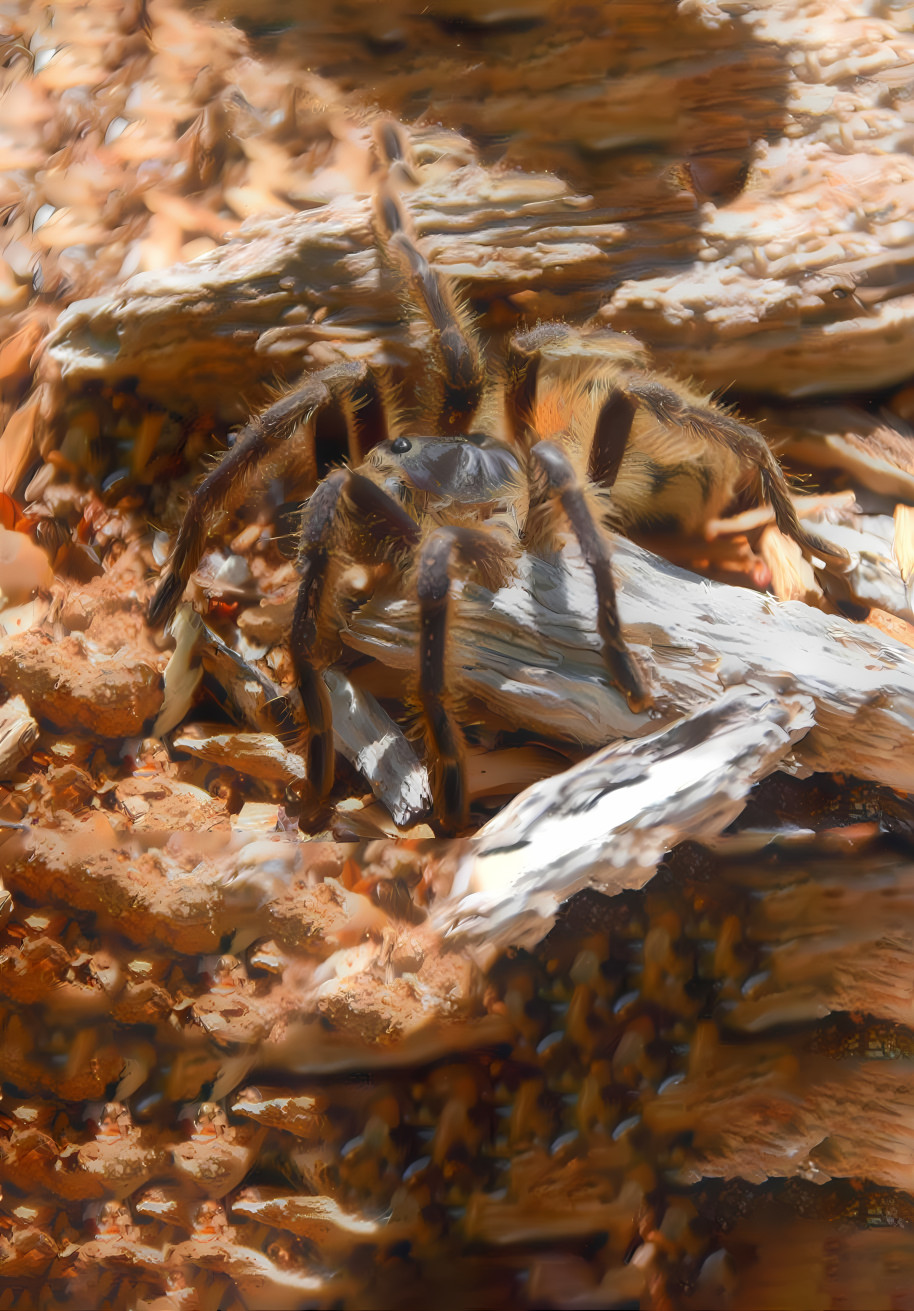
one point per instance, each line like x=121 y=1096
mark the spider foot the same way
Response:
x=638 y=704
x=449 y=789
x=623 y=670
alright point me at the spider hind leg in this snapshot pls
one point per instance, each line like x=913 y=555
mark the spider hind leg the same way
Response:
x=612 y=431
x=750 y=446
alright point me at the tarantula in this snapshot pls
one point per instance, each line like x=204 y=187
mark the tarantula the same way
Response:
x=570 y=429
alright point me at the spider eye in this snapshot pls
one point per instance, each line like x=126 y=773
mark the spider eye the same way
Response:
x=400 y=445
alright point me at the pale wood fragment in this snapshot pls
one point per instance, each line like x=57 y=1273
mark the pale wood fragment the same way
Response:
x=903 y=544
x=18 y=734
x=260 y=755
x=377 y=747
x=320 y=1219
x=530 y=652
x=606 y=822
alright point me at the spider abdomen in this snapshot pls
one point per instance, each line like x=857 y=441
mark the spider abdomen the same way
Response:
x=668 y=473
x=668 y=476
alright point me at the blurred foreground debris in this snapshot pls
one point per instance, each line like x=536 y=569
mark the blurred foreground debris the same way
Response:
x=608 y=1082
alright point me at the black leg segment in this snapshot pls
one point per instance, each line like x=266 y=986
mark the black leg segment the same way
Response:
x=610 y=439
x=346 y=511
x=460 y=365
x=443 y=736
x=553 y=475
x=318 y=529
x=255 y=441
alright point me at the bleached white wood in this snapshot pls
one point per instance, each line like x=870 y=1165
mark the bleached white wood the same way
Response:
x=367 y=736
x=530 y=652
x=607 y=822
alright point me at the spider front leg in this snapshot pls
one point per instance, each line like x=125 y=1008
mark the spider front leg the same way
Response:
x=256 y=440
x=349 y=512
x=483 y=550
x=552 y=477
x=345 y=498
x=433 y=585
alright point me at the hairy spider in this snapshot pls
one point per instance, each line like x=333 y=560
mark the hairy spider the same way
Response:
x=572 y=429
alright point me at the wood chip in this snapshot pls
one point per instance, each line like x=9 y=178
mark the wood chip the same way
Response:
x=18 y=734
x=530 y=652
x=606 y=822
x=260 y=755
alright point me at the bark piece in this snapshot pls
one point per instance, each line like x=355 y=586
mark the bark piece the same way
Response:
x=320 y=1219
x=73 y=683
x=530 y=653
x=18 y=734
x=189 y=890
x=606 y=822
x=259 y=755
x=877 y=450
x=767 y=1115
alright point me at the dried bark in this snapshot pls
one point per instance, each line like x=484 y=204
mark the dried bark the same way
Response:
x=531 y=654
x=708 y=247
x=458 y=1084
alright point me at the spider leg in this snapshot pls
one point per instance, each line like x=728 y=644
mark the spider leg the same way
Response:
x=264 y=432
x=460 y=371
x=610 y=439
x=552 y=476
x=344 y=496
x=717 y=426
x=444 y=737
x=442 y=549
x=393 y=147
x=365 y=406
x=522 y=371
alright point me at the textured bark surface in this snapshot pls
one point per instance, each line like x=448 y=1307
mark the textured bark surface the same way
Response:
x=248 y=1068
x=732 y=185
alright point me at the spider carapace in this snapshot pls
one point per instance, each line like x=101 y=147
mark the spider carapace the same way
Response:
x=570 y=429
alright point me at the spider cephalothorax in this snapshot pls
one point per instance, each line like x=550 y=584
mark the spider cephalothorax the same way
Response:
x=570 y=429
